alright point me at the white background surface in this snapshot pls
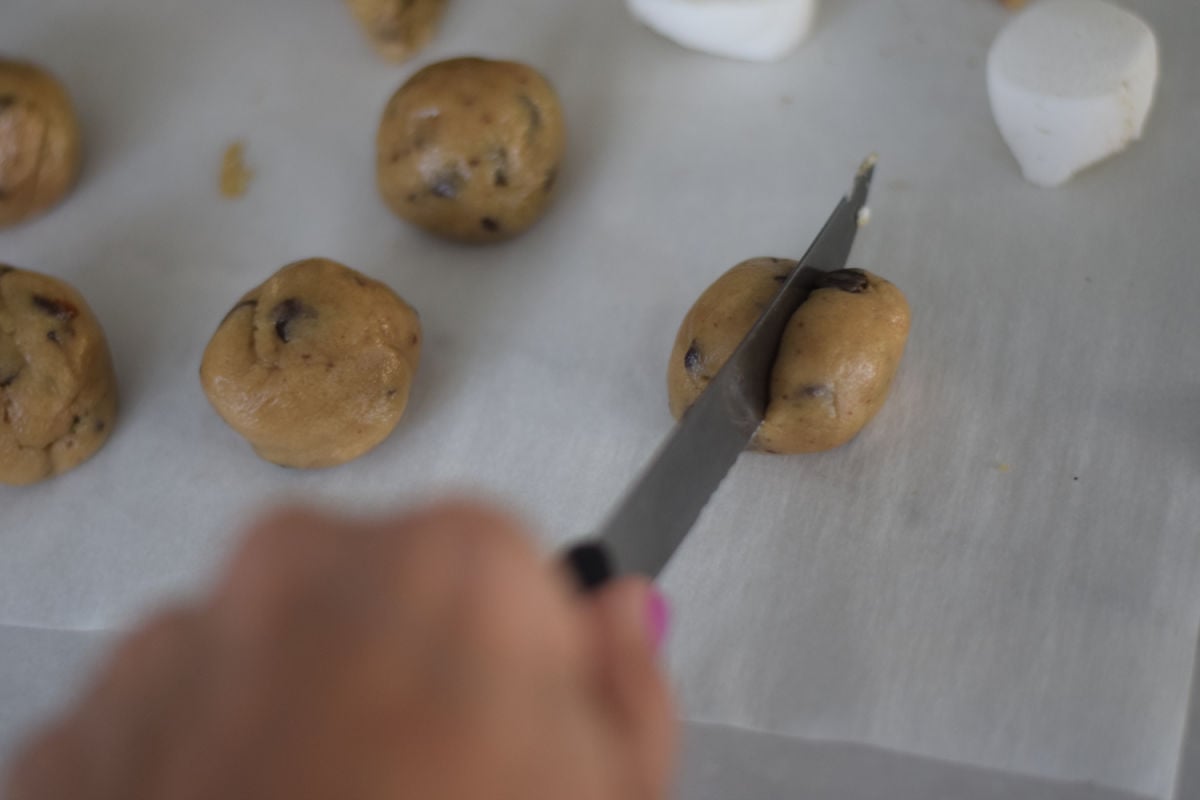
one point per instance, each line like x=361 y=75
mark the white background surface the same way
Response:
x=903 y=591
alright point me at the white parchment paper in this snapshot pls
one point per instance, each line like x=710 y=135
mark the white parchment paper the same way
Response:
x=1002 y=570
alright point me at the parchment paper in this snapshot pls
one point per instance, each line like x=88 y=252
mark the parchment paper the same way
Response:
x=1002 y=570
x=46 y=667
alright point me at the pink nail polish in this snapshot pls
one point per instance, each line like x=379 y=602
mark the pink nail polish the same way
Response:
x=659 y=614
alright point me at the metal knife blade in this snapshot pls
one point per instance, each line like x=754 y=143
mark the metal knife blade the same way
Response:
x=655 y=516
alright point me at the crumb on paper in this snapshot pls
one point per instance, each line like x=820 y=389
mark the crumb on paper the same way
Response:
x=785 y=100
x=1002 y=467
x=235 y=175
x=864 y=216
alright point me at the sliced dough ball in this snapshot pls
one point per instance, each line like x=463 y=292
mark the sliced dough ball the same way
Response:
x=750 y=30
x=398 y=29
x=836 y=360
x=1071 y=82
x=314 y=366
x=40 y=143
x=58 y=392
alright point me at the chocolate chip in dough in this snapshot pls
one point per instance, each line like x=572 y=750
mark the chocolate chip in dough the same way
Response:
x=59 y=309
x=848 y=280
x=447 y=184
x=692 y=358
x=499 y=157
x=286 y=313
x=535 y=114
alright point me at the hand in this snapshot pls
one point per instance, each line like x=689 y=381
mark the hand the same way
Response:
x=432 y=656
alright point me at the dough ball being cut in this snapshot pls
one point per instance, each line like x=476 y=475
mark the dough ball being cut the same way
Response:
x=398 y=29
x=58 y=392
x=314 y=366
x=40 y=144
x=836 y=359
x=749 y=30
x=469 y=149
x=1071 y=82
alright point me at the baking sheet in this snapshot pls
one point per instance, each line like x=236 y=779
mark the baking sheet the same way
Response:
x=943 y=586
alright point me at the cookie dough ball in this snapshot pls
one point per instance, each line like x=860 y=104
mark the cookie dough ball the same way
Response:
x=469 y=149
x=313 y=367
x=58 y=393
x=836 y=360
x=398 y=29
x=40 y=143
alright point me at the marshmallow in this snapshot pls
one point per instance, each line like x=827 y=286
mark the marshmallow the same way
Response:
x=1071 y=83
x=750 y=30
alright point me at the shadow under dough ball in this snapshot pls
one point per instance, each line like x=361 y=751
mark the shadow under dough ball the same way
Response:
x=398 y=29
x=469 y=149
x=58 y=392
x=314 y=366
x=838 y=355
x=40 y=142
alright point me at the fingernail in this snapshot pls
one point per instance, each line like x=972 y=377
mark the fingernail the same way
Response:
x=658 y=614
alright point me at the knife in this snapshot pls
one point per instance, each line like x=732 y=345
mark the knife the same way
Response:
x=655 y=516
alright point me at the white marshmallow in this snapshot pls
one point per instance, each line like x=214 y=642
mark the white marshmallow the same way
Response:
x=1071 y=83
x=750 y=30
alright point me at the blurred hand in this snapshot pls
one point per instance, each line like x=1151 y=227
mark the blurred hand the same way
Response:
x=434 y=656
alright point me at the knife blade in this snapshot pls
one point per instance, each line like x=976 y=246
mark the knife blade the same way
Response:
x=649 y=524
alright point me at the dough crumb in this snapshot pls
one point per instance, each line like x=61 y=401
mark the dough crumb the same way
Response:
x=1003 y=468
x=235 y=175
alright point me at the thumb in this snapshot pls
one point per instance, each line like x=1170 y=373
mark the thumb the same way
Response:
x=629 y=620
